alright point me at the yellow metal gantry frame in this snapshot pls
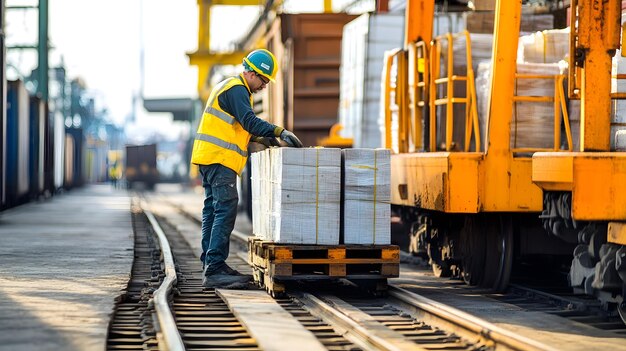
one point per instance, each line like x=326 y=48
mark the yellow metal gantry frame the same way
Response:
x=470 y=182
x=203 y=57
x=595 y=176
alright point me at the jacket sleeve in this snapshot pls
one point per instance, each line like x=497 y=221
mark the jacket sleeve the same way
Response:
x=236 y=101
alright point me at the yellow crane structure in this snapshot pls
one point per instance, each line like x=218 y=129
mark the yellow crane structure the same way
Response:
x=206 y=59
x=203 y=57
x=475 y=206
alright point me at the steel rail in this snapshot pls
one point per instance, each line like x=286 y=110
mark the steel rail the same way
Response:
x=350 y=329
x=465 y=324
x=170 y=339
x=235 y=234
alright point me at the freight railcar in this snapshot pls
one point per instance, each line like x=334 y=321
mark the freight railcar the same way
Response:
x=17 y=144
x=141 y=166
x=74 y=175
x=36 y=146
x=38 y=155
x=513 y=186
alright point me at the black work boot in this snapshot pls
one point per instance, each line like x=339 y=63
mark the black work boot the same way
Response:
x=231 y=271
x=223 y=278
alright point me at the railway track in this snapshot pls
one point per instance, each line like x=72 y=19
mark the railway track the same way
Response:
x=337 y=316
x=562 y=302
x=558 y=301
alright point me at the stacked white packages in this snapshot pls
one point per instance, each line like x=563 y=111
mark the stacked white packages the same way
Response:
x=367 y=196
x=296 y=195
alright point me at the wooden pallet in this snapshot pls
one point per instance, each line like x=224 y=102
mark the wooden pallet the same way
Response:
x=274 y=264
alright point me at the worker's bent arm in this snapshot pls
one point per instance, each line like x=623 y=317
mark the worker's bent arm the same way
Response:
x=236 y=102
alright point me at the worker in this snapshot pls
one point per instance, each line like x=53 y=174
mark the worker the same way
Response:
x=114 y=174
x=220 y=150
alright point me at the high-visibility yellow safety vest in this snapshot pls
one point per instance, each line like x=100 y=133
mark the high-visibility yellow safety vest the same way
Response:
x=220 y=138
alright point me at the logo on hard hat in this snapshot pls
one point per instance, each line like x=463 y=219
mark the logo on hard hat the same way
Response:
x=265 y=65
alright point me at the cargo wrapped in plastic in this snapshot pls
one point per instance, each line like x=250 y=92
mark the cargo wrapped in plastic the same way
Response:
x=483 y=22
x=618 y=115
x=532 y=123
x=481 y=48
x=366 y=175
x=298 y=193
x=548 y=46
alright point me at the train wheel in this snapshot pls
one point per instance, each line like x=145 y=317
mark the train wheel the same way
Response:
x=473 y=246
x=621 y=310
x=498 y=234
x=441 y=270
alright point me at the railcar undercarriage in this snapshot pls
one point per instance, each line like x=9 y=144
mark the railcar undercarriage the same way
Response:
x=481 y=249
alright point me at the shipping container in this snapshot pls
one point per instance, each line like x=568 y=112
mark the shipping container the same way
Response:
x=74 y=167
x=68 y=174
x=141 y=166
x=305 y=97
x=3 y=120
x=365 y=41
x=48 y=150
x=74 y=151
x=95 y=163
x=36 y=145
x=58 y=151
x=17 y=145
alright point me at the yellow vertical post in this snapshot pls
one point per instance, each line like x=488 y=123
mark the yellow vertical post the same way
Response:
x=204 y=25
x=598 y=38
x=204 y=39
x=418 y=23
x=328 y=6
x=449 y=93
x=415 y=111
x=435 y=54
x=557 y=116
x=403 y=130
x=386 y=97
x=503 y=62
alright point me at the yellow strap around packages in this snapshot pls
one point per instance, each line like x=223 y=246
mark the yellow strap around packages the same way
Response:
x=374 y=227
x=317 y=190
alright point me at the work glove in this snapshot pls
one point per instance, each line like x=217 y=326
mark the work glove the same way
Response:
x=266 y=141
x=290 y=138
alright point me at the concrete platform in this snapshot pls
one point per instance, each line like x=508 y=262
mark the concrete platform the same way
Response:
x=63 y=262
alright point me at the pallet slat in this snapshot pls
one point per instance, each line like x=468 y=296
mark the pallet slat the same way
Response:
x=332 y=261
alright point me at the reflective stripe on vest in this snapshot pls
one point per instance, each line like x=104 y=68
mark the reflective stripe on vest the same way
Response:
x=221 y=143
x=219 y=114
x=220 y=138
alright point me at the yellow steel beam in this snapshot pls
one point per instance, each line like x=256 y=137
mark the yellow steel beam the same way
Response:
x=203 y=57
x=206 y=60
x=234 y=2
x=328 y=6
x=553 y=171
x=204 y=25
x=440 y=181
x=617 y=233
x=508 y=185
x=598 y=38
x=504 y=66
x=597 y=181
x=419 y=21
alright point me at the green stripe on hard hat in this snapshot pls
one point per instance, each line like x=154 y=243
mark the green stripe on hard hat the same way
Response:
x=262 y=62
